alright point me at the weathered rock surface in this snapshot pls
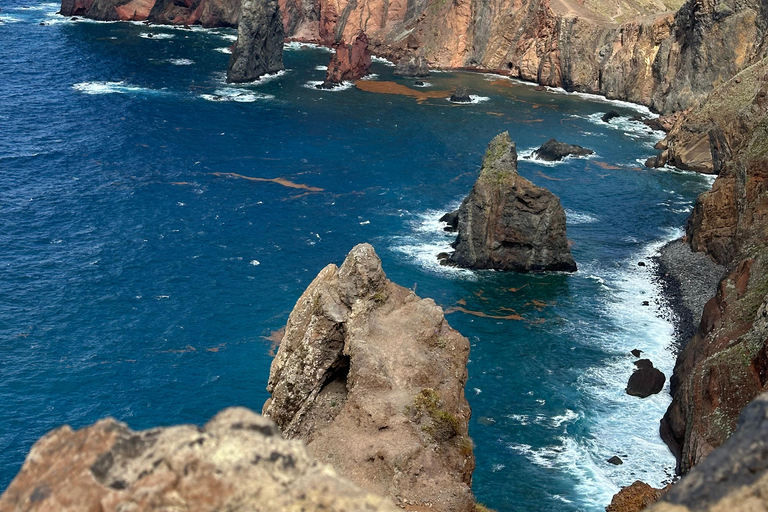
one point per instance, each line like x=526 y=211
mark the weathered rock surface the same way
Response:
x=508 y=223
x=725 y=365
x=349 y=62
x=460 y=95
x=645 y=380
x=733 y=478
x=237 y=462
x=553 y=151
x=259 y=46
x=635 y=497
x=372 y=378
x=412 y=66
x=209 y=13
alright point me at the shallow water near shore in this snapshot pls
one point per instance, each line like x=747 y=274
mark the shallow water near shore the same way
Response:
x=158 y=225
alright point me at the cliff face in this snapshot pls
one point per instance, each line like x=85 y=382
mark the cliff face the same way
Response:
x=725 y=365
x=372 y=378
x=508 y=223
x=237 y=462
x=734 y=477
x=209 y=13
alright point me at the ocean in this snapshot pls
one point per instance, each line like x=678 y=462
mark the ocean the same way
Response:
x=144 y=269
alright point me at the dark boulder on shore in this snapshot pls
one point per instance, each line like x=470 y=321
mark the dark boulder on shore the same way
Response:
x=646 y=380
x=259 y=46
x=461 y=95
x=615 y=460
x=508 y=223
x=611 y=114
x=452 y=219
x=553 y=151
x=412 y=67
x=349 y=62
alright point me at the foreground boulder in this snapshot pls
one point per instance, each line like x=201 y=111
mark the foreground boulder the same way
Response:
x=349 y=62
x=734 y=477
x=508 y=223
x=646 y=380
x=372 y=378
x=237 y=462
x=412 y=67
x=259 y=46
x=553 y=151
x=635 y=497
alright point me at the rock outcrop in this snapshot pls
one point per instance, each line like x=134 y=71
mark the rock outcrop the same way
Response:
x=412 y=66
x=645 y=380
x=508 y=223
x=725 y=365
x=460 y=95
x=635 y=497
x=553 y=151
x=237 y=462
x=372 y=378
x=259 y=46
x=349 y=62
x=733 y=478
x=208 y=13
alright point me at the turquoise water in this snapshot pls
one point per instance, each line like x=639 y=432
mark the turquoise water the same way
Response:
x=138 y=283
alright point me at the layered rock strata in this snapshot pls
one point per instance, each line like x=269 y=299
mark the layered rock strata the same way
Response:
x=349 y=62
x=238 y=462
x=208 y=13
x=259 y=46
x=508 y=223
x=734 y=477
x=725 y=365
x=372 y=378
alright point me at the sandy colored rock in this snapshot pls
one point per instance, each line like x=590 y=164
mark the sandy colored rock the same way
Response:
x=635 y=497
x=237 y=462
x=508 y=223
x=372 y=378
x=259 y=46
x=350 y=61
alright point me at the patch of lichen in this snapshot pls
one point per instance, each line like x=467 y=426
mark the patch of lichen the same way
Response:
x=736 y=94
x=479 y=507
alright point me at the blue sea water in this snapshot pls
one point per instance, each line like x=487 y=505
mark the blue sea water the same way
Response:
x=143 y=273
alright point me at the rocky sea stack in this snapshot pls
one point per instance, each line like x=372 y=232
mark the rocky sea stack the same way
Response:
x=508 y=223
x=372 y=378
x=259 y=46
x=554 y=151
x=349 y=62
x=237 y=461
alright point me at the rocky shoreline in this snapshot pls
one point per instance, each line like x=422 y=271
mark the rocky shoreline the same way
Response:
x=688 y=280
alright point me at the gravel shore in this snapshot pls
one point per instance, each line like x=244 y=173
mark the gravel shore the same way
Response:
x=688 y=279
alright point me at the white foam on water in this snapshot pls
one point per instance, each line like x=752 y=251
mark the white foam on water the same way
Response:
x=236 y=94
x=224 y=49
x=423 y=84
x=372 y=76
x=632 y=129
x=382 y=60
x=228 y=37
x=428 y=239
x=113 y=88
x=473 y=100
x=156 y=35
x=576 y=217
x=321 y=68
x=602 y=99
x=9 y=19
x=529 y=155
x=296 y=45
x=343 y=86
x=181 y=62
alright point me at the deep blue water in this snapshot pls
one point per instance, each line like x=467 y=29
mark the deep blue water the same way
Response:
x=137 y=283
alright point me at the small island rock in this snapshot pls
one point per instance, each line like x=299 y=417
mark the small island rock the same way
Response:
x=646 y=380
x=349 y=62
x=461 y=95
x=553 y=151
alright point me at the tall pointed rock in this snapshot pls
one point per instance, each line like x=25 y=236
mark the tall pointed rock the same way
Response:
x=259 y=46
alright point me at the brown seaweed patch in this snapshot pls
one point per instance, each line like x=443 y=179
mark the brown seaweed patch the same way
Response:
x=511 y=316
x=606 y=165
x=542 y=175
x=276 y=337
x=395 y=88
x=280 y=181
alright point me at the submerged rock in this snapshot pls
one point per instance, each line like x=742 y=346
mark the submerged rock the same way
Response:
x=349 y=62
x=615 y=460
x=259 y=46
x=611 y=114
x=646 y=380
x=461 y=95
x=372 y=378
x=412 y=67
x=553 y=151
x=237 y=461
x=508 y=223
